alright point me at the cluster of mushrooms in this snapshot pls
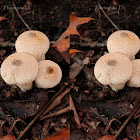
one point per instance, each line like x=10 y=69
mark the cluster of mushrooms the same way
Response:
x=119 y=66
x=28 y=64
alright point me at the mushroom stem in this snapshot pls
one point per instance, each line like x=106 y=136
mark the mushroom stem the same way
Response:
x=117 y=87
x=132 y=57
x=26 y=86
x=40 y=57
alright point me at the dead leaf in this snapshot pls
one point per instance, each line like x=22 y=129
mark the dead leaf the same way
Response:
x=63 y=43
x=66 y=56
x=63 y=36
x=133 y=138
x=72 y=107
x=2 y=18
x=8 y=137
x=64 y=135
x=75 y=21
x=71 y=51
x=75 y=69
x=54 y=55
x=107 y=137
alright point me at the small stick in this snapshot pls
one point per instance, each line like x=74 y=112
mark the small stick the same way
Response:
x=13 y=125
x=56 y=102
x=7 y=43
x=56 y=113
x=137 y=116
x=86 y=44
x=107 y=16
x=138 y=111
x=127 y=120
x=38 y=115
x=21 y=17
x=108 y=126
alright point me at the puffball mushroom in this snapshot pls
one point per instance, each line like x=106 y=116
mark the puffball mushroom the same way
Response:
x=125 y=42
x=134 y=81
x=49 y=74
x=19 y=69
x=33 y=42
x=113 y=69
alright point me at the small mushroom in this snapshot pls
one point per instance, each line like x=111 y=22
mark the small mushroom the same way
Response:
x=19 y=69
x=134 y=81
x=33 y=42
x=113 y=69
x=49 y=74
x=125 y=42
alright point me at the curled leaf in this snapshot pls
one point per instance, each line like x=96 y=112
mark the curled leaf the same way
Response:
x=71 y=51
x=107 y=137
x=75 y=21
x=8 y=137
x=64 y=135
x=63 y=43
x=2 y=18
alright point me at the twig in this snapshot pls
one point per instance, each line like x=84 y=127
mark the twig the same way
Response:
x=13 y=125
x=89 y=44
x=21 y=17
x=7 y=44
x=56 y=102
x=137 y=116
x=56 y=113
x=127 y=120
x=108 y=126
x=107 y=16
x=137 y=112
x=38 y=115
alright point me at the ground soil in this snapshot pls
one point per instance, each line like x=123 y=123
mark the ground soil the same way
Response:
x=95 y=103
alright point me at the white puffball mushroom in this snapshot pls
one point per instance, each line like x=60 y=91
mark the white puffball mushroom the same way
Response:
x=113 y=69
x=49 y=74
x=134 y=81
x=125 y=42
x=33 y=42
x=19 y=69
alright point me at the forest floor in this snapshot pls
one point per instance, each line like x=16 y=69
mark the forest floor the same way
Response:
x=100 y=110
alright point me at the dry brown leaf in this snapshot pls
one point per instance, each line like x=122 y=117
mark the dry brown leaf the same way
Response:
x=64 y=135
x=8 y=137
x=107 y=137
x=63 y=36
x=2 y=18
x=71 y=51
x=63 y=43
x=62 y=46
x=75 y=22
x=75 y=69
x=72 y=107
x=66 y=56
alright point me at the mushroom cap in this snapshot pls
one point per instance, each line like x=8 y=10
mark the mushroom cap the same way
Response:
x=19 y=69
x=134 y=81
x=125 y=42
x=113 y=69
x=33 y=42
x=49 y=74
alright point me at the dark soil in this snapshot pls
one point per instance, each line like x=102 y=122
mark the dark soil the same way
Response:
x=96 y=105
x=52 y=18
x=95 y=102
